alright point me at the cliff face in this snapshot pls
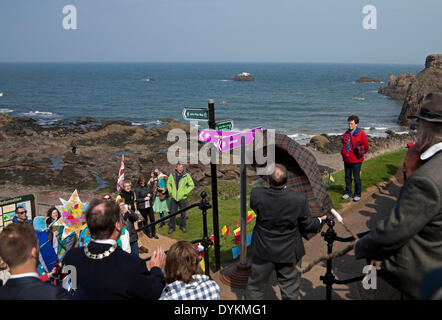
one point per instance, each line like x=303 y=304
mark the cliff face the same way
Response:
x=397 y=86
x=427 y=81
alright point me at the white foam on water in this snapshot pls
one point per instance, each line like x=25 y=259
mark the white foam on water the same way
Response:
x=6 y=110
x=380 y=128
x=301 y=138
x=38 y=114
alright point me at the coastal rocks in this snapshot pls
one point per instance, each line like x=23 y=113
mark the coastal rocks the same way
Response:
x=333 y=144
x=427 y=81
x=397 y=86
x=244 y=76
x=433 y=61
x=43 y=156
x=322 y=143
x=368 y=80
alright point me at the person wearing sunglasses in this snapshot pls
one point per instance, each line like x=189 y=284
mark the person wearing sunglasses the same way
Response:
x=20 y=215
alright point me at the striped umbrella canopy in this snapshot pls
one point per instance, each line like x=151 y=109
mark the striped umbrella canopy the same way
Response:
x=303 y=173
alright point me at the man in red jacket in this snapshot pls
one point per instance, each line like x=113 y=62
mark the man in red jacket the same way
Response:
x=354 y=146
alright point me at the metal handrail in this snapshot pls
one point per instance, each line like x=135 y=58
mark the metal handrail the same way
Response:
x=203 y=205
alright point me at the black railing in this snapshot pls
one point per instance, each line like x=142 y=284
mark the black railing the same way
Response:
x=329 y=279
x=203 y=205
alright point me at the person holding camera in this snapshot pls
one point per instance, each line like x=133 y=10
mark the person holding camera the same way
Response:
x=144 y=196
x=161 y=202
x=354 y=146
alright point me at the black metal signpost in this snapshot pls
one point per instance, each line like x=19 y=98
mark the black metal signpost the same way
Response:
x=213 y=155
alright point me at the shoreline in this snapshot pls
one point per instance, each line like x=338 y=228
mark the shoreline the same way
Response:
x=42 y=157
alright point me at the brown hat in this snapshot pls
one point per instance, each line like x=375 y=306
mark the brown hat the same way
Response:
x=431 y=110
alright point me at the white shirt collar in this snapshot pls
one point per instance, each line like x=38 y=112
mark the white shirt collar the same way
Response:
x=106 y=241
x=24 y=275
x=431 y=151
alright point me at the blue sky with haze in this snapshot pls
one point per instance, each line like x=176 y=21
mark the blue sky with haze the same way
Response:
x=225 y=31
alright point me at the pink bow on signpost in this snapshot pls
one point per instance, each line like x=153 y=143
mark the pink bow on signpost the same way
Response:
x=227 y=140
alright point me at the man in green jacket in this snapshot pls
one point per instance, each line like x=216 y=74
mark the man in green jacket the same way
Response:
x=178 y=195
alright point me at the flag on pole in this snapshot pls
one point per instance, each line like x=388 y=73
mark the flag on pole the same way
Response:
x=212 y=238
x=249 y=218
x=237 y=224
x=120 y=181
x=227 y=232
x=224 y=229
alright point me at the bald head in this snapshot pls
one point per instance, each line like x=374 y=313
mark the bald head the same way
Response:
x=101 y=218
x=279 y=176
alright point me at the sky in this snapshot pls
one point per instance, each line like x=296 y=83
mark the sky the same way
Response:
x=220 y=31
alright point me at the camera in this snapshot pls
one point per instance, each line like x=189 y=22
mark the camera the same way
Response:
x=155 y=174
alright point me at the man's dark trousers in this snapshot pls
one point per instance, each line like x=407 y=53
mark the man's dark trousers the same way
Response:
x=355 y=170
x=287 y=275
x=174 y=205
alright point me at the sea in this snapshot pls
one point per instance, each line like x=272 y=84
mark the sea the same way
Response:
x=298 y=99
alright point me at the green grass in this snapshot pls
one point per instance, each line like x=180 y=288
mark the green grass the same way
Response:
x=375 y=170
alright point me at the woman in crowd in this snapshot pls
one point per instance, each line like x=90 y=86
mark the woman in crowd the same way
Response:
x=124 y=239
x=161 y=203
x=52 y=215
x=184 y=278
x=144 y=195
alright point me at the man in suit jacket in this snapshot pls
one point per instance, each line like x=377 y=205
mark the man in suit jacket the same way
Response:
x=409 y=241
x=104 y=270
x=19 y=249
x=282 y=214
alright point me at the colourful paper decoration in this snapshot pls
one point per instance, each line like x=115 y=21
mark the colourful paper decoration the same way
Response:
x=236 y=251
x=72 y=215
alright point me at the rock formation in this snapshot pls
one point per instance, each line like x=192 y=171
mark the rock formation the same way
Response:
x=333 y=144
x=427 y=81
x=397 y=86
x=34 y=155
x=368 y=79
x=244 y=76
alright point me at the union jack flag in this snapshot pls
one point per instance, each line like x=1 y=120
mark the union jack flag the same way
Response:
x=120 y=181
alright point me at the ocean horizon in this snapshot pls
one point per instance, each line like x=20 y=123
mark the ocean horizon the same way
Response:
x=298 y=99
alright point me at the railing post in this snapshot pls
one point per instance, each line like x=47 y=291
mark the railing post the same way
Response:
x=329 y=278
x=204 y=205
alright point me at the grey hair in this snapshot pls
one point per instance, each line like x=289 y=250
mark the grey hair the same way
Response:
x=428 y=134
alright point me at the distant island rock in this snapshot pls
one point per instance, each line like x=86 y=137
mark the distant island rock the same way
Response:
x=397 y=86
x=427 y=81
x=244 y=76
x=368 y=79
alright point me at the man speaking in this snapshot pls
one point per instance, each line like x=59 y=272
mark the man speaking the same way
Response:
x=282 y=215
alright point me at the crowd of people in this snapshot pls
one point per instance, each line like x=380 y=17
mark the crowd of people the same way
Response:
x=407 y=244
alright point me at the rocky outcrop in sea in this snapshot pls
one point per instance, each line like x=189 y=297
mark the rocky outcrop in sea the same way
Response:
x=397 y=86
x=427 y=81
x=368 y=80
x=244 y=76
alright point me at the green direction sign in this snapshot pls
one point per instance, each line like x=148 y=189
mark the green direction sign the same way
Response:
x=225 y=125
x=200 y=114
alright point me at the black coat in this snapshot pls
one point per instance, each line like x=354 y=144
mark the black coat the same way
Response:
x=141 y=193
x=130 y=217
x=281 y=216
x=30 y=288
x=120 y=276
x=129 y=197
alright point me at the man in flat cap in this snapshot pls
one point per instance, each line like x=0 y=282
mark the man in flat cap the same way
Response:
x=409 y=241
